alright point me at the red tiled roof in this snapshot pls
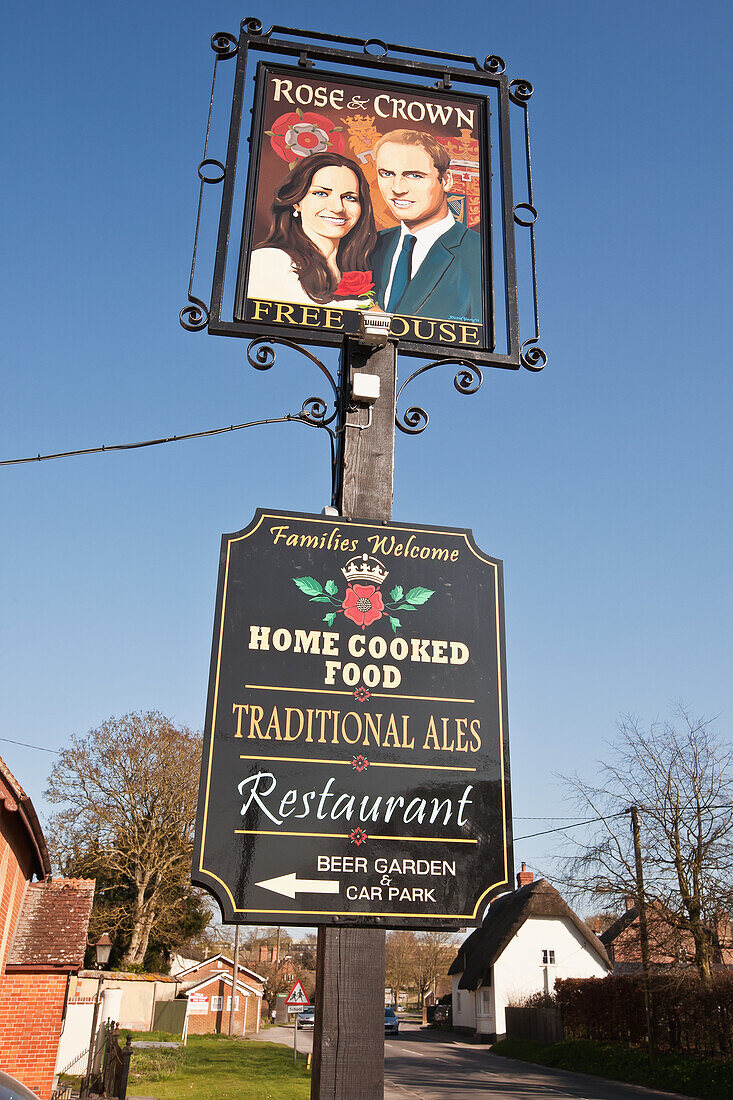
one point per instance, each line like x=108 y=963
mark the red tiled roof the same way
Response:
x=53 y=925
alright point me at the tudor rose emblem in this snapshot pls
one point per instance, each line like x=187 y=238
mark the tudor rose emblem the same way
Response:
x=363 y=602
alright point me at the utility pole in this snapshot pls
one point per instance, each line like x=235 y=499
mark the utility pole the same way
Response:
x=643 y=929
x=348 y=1041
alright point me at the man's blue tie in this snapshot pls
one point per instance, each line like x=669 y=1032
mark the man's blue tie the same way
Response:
x=401 y=272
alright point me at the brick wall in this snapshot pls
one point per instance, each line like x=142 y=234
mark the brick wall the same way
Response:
x=14 y=874
x=31 y=1056
x=218 y=1021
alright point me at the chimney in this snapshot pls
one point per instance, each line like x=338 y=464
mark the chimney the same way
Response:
x=524 y=877
x=273 y=956
x=630 y=903
x=263 y=953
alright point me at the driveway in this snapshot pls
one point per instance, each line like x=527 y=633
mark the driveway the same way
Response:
x=284 y=1035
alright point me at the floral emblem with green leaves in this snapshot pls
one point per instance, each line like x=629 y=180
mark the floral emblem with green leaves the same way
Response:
x=363 y=603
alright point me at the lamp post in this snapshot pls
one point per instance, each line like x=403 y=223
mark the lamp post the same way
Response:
x=102 y=947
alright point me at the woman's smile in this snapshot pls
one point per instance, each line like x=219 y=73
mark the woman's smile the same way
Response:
x=331 y=208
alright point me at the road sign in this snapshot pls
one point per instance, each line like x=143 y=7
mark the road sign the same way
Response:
x=355 y=765
x=297 y=997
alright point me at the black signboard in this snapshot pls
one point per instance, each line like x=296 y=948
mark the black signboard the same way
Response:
x=355 y=765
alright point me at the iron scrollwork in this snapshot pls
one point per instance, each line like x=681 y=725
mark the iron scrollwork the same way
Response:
x=195 y=315
x=224 y=45
x=252 y=25
x=531 y=355
x=314 y=411
x=467 y=381
x=495 y=64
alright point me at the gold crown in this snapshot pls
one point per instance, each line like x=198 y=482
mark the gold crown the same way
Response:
x=364 y=568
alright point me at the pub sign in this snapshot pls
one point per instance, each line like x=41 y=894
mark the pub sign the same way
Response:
x=368 y=190
x=365 y=198
x=355 y=765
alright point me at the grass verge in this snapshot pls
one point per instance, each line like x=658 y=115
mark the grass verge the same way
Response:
x=214 y=1065
x=698 y=1077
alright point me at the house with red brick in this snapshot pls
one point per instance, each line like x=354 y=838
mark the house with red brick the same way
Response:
x=43 y=934
x=208 y=987
x=669 y=945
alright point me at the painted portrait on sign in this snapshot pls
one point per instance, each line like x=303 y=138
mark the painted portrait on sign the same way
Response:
x=367 y=199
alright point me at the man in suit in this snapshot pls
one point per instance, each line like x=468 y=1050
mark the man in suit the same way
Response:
x=430 y=265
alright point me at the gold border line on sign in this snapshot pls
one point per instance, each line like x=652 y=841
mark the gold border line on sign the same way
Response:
x=313 y=912
x=372 y=763
x=373 y=694
x=371 y=836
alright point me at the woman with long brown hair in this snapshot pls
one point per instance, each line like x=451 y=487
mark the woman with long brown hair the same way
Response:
x=322 y=226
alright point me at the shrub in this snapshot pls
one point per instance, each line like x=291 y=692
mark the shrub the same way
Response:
x=687 y=1015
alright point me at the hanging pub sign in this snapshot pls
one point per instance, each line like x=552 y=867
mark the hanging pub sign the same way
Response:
x=369 y=187
x=365 y=199
x=355 y=765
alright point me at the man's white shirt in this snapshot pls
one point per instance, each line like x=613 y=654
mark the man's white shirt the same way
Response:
x=424 y=241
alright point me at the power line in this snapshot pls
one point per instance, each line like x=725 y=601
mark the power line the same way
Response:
x=25 y=745
x=295 y=417
x=544 y=817
x=577 y=824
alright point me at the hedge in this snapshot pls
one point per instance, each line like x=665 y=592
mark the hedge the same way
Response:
x=687 y=1015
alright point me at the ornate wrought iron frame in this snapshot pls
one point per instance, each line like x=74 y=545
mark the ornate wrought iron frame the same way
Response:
x=311 y=49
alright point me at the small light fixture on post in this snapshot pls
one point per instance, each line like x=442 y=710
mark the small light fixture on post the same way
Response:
x=102 y=948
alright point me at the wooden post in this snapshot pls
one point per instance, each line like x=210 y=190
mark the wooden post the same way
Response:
x=348 y=1040
x=643 y=930
x=234 y=982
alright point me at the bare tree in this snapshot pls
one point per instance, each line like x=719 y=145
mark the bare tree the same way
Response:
x=680 y=776
x=128 y=791
x=401 y=948
x=434 y=952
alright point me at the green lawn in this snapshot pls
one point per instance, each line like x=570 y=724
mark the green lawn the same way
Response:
x=216 y=1066
x=705 y=1078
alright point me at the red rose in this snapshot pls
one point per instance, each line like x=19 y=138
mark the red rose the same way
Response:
x=363 y=604
x=354 y=283
x=302 y=133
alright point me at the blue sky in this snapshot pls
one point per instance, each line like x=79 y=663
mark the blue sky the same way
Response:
x=603 y=482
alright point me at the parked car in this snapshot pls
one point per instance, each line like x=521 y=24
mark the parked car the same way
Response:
x=306 y=1018
x=10 y=1089
x=391 y=1023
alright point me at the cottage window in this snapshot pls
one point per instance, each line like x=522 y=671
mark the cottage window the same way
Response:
x=458 y=1002
x=484 y=1002
x=217 y=1004
x=236 y=1003
x=548 y=958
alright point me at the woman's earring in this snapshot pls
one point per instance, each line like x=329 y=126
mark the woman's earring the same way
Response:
x=296 y=213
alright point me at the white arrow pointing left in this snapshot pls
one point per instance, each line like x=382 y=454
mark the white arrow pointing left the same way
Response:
x=290 y=885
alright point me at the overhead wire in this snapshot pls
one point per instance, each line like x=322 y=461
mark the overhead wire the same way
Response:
x=295 y=417
x=26 y=745
x=575 y=825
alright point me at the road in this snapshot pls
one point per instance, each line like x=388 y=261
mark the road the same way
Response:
x=423 y=1064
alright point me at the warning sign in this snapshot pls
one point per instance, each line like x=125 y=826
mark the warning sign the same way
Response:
x=297 y=997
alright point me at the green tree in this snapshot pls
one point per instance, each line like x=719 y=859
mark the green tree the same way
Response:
x=128 y=791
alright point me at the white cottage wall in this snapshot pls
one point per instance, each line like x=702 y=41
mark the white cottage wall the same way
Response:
x=520 y=969
x=463 y=1003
